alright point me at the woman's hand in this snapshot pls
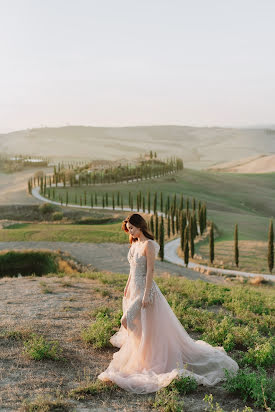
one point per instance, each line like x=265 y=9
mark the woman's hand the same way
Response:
x=145 y=301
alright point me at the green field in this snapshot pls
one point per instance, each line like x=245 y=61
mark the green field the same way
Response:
x=64 y=233
x=246 y=199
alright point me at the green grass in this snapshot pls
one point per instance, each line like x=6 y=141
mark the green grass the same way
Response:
x=239 y=317
x=65 y=233
x=246 y=199
x=27 y=262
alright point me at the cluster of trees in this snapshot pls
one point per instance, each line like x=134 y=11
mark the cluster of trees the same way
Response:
x=148 y=202
x=146 y=169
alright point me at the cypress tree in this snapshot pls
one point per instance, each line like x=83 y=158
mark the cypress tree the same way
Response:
x=161 y=239
x=191 y=237
x=182 y=228
x=201 y=220
x=75 y=198
x=168 y=203
x=211 y=243
x=143 y=203
x=80 y=200
x=121 y=200
x=67 y=198
x=186 y=246
x=270 y=252
x=181 y=202
x=161 y=202
x=117 y=199
x=187 y=205
x=149 y=201
x=168 y=226
x=175 y=201
x=172 y=221
x=129 y=200
x=85 y=198
x=155 y=203
x=156 y=226
x=92 y=201
x=113 y=200
x=103 y=201
x=152 y=224
x=107 y=200
x=195 y=223
x=95 y=199
x=236 y=247
x=194 y=204
x=177 y=220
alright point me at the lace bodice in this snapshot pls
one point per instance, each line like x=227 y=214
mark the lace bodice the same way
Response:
x=138 y=267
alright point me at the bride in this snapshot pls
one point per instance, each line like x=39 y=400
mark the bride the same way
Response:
x=154 y=346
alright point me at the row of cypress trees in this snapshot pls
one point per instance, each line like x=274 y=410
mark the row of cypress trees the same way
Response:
x=146 y=169
x=143 y=202
x=270 y=245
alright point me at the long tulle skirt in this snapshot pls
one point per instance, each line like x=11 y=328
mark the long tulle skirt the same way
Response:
x=158 y=348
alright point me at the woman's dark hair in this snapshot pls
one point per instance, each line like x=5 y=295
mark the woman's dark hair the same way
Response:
x=138 y=221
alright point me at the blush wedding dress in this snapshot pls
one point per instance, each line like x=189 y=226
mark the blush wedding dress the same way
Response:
x=155 y=348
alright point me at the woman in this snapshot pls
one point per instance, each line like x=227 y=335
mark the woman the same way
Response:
x=154 y=346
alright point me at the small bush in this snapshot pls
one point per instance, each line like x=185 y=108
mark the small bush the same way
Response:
x=252 y=385
x=38 y=348
x=167 y=400
x=100 y=331
x=261 y=354
x=57 y=216
x=47 y=208
x=184 y=384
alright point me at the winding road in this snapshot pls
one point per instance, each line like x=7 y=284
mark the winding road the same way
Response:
x=112 y=256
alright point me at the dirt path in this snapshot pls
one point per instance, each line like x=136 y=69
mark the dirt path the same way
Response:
x=110 y=257
x=13 y=187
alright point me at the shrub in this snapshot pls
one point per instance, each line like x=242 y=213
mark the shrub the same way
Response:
x=99 y=332
x=47 y=208
x=219 y=333
x=184 y=384
x=57 y=216
x=261 y=354
x=252 y=385
x=38 y=348
x=168 y=401
x=27 y=262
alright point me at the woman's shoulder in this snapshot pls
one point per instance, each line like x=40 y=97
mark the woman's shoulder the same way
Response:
x=155 y=246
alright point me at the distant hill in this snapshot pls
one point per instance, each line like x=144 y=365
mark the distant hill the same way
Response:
x=258 y=164
x=199 y=147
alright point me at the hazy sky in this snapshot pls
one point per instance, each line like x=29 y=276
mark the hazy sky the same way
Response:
x=123 y=62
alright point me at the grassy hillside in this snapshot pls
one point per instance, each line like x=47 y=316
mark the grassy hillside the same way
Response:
x=231 y=198
x=199 y=147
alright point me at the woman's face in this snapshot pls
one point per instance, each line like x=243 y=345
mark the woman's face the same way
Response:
x=133 y=230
